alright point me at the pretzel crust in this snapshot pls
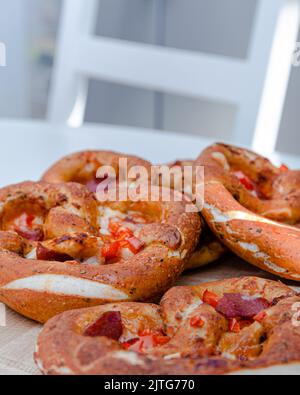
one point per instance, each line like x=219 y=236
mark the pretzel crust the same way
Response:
x=41 y=289
x=209 y=249
x=62 y=348
x=270 y=245
x=80 y=166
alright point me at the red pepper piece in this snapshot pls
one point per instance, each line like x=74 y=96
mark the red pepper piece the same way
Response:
x=111 y=251
x=210 y=298
x=283 y=168
x=127 y=345
x=248 y=184
x=260 y=316
x=196 y=322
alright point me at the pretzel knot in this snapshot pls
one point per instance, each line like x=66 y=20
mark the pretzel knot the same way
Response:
x=244 y=195
x=212 y=328
x=61 y=249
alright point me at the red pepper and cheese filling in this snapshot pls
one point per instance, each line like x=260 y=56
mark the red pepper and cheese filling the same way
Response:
x=119 y=232
x=27 y=225
x=118 y=239
x=252 y=186
x=239 y=311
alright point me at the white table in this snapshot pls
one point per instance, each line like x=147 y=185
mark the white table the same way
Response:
x=28 y=148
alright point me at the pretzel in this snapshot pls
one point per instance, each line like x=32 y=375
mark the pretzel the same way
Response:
x=209 y=249
x=232 y=201
x=212 y=328
x=259 y=186
x=61 y=249
x=82 y=167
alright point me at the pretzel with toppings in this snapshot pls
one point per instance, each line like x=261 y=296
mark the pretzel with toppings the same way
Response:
x=213 y=328
x=61 y=249
x=82 y=167
x=239 y=184
x=258 y=185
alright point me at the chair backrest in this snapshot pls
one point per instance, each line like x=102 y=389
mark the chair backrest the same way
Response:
x=256 y=85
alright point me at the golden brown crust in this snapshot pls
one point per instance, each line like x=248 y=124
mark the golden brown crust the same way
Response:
x=64 y=349
x=39 y=289
x=82 y=166
x=270 y=245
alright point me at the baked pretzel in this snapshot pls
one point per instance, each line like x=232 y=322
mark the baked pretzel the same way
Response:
x=239 y=184
x=82 y=167
x=61 y=249
x=213 y=328
x=258 y=185
x=209 y=248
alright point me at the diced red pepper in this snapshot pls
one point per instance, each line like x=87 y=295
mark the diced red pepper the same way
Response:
x=283 y=168
x=111 y=251
x=260 y=316
x=234 y=325
x=127 y=345
x=196 y=322
x=210 y=298
x=147 y=339
x=244 y=180
x=29 y=219
x=159 y=340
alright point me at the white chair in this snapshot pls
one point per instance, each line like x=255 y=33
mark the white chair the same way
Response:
x=256 y=85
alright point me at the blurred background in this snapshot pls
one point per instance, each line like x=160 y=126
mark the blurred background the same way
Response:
x=223 y=27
